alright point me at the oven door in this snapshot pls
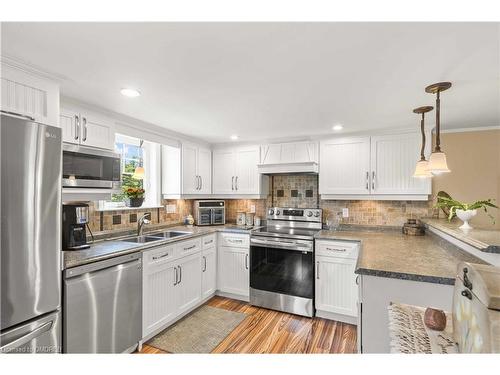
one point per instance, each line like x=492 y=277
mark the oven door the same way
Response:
x=84 y=167
x=282 y=266
x=218 y=216
x=204 y=216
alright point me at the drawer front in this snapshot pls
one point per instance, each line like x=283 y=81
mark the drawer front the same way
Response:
x=338 y=249
x=159 y=255
x=209 y=241
x=188 y=247
x=234 y=240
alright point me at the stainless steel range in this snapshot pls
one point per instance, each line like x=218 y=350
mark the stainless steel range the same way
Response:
x=282 y=260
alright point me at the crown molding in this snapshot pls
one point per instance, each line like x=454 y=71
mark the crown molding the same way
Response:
x=32 y=69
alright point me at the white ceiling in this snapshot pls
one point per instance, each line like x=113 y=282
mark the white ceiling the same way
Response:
x=270 y=80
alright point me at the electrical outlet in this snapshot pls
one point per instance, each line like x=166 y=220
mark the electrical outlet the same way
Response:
x=171 y=208
x=252 y=208
x=345 y=212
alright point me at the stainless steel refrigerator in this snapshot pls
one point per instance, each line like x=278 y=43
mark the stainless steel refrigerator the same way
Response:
x=30 y=236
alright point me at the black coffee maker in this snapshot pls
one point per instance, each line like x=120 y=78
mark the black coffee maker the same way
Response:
x=75 y=217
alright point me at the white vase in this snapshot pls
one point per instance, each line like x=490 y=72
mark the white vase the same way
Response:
x=465 y=216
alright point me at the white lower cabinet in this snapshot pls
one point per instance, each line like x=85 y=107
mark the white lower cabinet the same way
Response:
x=188 y=284
x=234 y=264
x=336 y=289
x=209 y=272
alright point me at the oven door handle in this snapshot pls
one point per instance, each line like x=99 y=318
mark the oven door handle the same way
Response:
x=286 y=245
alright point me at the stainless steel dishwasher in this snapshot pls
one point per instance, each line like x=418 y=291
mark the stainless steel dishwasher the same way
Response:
x=103 y=306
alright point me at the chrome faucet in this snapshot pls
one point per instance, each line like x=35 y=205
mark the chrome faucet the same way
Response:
x=144 y=219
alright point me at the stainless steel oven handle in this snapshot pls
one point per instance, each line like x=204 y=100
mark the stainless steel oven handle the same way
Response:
x=294 y=246
x=10 y=113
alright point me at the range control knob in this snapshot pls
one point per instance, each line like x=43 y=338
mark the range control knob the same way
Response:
x=278 y=212
x=316 y=214
x=309 y=213
x=271 y=212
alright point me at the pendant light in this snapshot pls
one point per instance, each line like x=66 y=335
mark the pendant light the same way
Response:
x=422 y=168
x=437 y=161
x=139 y=170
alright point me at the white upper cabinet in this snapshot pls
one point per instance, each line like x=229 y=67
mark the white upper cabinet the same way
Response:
x=83 y=127
x=378 y=167
x=29 y=95
x=345 y=166
x=235 y=172
x=196 y=169
x=186 y=171
x=393 y=159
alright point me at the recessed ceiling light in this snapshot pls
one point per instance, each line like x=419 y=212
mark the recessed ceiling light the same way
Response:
x=131 y=93
x=337 y=127
x=234 y=137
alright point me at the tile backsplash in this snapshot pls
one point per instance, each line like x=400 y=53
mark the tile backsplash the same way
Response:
x=300 y=190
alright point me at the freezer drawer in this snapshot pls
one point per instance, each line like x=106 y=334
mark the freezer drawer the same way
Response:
x=41 y=335
x=103 y=306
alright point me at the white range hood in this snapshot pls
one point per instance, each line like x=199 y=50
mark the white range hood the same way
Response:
x=296 y=157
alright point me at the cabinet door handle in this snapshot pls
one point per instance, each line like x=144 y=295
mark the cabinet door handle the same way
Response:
x=180 y=274
x=236 y=182
x=317 y=270
x=246 y=261
x=232 y=182
x=204 y=263
x=84 y=120
x=367 y=180
x=373 y=180
x=201 y=183
x=161 y=256
x=357 y=280
x=175 y=276
x=77 y=127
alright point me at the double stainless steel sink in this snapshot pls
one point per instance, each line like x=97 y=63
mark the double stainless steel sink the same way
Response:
x=156 y=236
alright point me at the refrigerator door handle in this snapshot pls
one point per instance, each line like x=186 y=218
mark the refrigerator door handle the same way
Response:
x=28 y=337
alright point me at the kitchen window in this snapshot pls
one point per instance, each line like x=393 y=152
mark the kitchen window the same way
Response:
x=136 y=153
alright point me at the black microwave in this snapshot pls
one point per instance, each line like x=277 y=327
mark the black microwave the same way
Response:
x=86 y=167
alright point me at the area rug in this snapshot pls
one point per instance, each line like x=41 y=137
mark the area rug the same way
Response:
x=199 y=332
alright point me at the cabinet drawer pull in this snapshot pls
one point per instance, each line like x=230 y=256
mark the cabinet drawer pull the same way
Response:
x=161 y=256
x=234 y=241
x=189 y=248
x=209 y=242
x=342 y=250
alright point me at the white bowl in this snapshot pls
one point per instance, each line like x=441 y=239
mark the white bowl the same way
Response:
x=465 y=216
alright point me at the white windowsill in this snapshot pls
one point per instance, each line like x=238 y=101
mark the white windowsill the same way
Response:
x=125 y=208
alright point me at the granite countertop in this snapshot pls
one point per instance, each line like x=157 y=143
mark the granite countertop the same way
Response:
x=487 y=240
x=395 y=255
x=113 y=247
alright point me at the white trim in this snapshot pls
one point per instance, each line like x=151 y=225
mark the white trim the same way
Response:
x=32 y=69
x=239 y=297
x=337 y=317
x=375 y=197
x=304 y=167
x=466 y=130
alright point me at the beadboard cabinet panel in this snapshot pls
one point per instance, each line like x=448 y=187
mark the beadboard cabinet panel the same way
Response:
x=345 y=166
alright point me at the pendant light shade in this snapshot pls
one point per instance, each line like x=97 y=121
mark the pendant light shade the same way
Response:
x=138 y=173
x=438 y=164
x=422 y=168
x=437 y=161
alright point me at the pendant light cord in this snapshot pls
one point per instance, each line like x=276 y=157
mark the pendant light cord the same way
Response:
x=438 y=128
x=422 y=156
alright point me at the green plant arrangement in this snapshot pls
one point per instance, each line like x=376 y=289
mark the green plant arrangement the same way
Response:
x=453 y=205
x=135 y=196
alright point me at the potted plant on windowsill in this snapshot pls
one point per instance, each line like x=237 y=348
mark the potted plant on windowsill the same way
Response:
x=135 y=196
x=464 y=211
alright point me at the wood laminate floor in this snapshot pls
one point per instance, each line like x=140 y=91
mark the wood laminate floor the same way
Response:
x=269 y=331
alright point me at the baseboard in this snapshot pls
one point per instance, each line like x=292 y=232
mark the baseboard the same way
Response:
x=238 y=297
x=337 y=317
